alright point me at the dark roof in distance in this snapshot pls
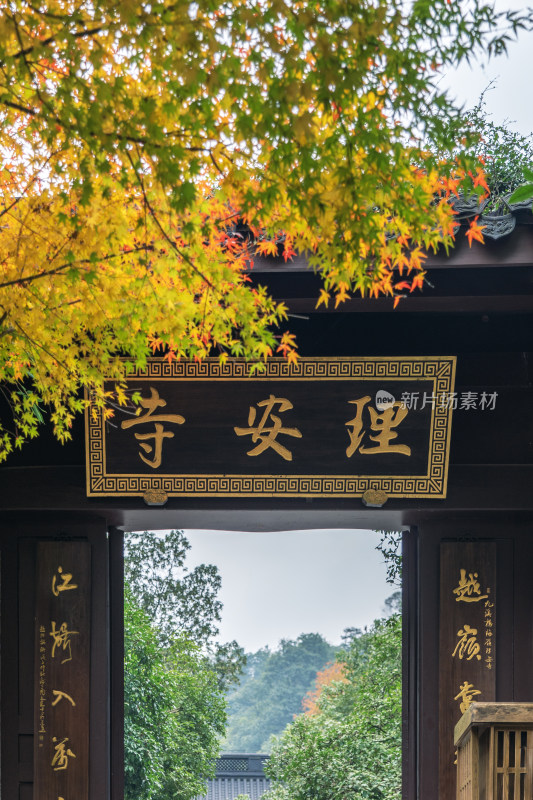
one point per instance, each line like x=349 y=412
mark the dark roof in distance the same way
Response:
x=238 y=773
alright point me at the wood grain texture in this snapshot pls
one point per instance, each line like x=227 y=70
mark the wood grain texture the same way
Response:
x=495 y=752
x=62 y=670
x=467 y=664
x=480 y=713
x=314 y=429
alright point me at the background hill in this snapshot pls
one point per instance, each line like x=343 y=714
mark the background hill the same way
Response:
x=271 y=691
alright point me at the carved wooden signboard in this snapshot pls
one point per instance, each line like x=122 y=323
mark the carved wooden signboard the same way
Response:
x=321 y=428
x=62 y=661
x=467 y=649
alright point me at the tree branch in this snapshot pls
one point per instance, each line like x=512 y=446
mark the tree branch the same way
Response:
x=170 y=241
x=40 y=346
x=37 y=275
x=19 y=107
x=79 y=35
x=32 y=180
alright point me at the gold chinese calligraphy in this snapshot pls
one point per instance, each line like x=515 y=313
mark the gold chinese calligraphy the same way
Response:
x=62 y=640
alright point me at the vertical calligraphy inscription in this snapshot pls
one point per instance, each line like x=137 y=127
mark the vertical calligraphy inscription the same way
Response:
x=62 y=670
x=467 y=663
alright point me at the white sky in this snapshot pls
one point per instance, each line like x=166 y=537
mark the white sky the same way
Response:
x=278 y=585
x=512 y=98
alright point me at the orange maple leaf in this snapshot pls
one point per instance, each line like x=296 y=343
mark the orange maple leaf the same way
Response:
x=292 y=357
x=267 y=247
x=170 y=356
x=403 y=240
x=451 y=186
x=475 y=232
x=417 y=257
x=342 y=293
x=288 y=252
x=418 y=281
x=287 y=345
x=479 y=180
x=155 y=343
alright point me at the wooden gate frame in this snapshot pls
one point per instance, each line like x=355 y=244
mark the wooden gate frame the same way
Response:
x=480 y=309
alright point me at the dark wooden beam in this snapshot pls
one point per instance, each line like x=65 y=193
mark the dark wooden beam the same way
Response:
x=480 y=304
x=473 y=488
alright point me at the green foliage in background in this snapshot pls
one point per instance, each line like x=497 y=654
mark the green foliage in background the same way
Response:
x=351 y=748
x=272 y=689
x=390 y=547
x=178 y=599
x=175 y=674
x=525 y=190
x=506 y=154
x=174 y=712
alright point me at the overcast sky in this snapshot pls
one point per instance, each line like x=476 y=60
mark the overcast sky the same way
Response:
x=512 y=97
x=278 y=585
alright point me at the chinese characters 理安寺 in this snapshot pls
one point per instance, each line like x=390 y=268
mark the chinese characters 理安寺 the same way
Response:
x=159 y=433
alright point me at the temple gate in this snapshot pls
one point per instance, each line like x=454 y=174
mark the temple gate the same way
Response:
x=456 y=478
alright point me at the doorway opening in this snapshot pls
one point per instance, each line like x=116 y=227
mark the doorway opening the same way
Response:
x=300 y=635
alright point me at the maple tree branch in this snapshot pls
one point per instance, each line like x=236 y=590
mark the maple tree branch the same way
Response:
x=40 y=346
x=205 y=310
x=17 y=200
x=142 y=140
x=229 y=216
x=56 y=270
x=78 y=35
x=29 y=68
x=212 y=157
x=170 y=241
x=47 y=14
x=52 y=309
x=137 y=140
x=19 y=107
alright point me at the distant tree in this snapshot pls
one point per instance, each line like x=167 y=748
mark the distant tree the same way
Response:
x=175 y=673
x=390 y=547
x=393 y=603
x=353 y=660
x=331 y=674
x=350 y=748
x=271 y=692
x=506 y=154
x=174 y=712
x=349 y=634
x=178 y=599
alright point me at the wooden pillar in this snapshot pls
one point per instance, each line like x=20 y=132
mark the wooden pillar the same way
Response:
x=116 y=598
x=429 y=768
x=409 y=663
x=18 y=551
